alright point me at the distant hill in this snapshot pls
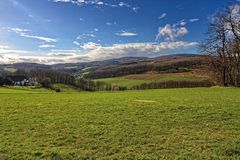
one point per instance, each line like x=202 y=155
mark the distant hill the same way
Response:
x=164 y=64
x=118 y=67
x=76 y=67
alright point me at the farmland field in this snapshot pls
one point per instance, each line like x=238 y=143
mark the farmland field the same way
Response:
x=10 y=69
x=200 y=123
x=138 y=79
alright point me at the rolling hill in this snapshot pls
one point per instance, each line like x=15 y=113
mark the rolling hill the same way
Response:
x=129 y=71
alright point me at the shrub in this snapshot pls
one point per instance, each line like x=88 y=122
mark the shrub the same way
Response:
x=1 y=81
x=58 y=90
x=46 y=83
x=122 y=88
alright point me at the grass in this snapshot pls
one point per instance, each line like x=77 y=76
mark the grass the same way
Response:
x=138 y=79
x=23 y=89
x=200 y=123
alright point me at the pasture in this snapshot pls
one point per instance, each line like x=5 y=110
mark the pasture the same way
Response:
x=138 y=79
x=199 y=123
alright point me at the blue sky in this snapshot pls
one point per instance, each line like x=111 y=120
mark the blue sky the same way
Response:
x=64 y=31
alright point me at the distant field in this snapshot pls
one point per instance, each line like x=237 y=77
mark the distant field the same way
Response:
x=71 y=67
x=138 y=79
x=200 y=123
x=10 y=69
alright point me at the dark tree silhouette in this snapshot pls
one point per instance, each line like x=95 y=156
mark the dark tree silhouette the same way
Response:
x=223 y=46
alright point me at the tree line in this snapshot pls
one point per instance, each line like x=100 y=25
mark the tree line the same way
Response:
x=173 y=84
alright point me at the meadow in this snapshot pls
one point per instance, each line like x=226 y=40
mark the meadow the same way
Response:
x=138 y=79
x=199 y=123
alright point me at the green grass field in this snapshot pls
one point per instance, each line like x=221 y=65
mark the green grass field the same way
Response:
x=200 y=123
x=138 y=79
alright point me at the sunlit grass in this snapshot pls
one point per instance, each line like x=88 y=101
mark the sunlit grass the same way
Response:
x=138 y=79
x=200 y=123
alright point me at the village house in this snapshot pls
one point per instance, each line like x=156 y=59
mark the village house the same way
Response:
x=18 y=80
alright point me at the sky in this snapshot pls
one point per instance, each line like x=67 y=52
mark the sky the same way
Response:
x=72 y=31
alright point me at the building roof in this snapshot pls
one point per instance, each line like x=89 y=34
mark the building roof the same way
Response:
x=16 y=78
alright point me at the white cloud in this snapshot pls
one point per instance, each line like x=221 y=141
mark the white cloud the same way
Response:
x=182 y=31
x=90 y=46
x=86 y=36
x=45 y=39
x=23 y=33
x=126 y=34
x=111 y=23
x=7 y=50
x=47 y=46
x=123 y=4
x=193 y=20
x=99 y=3
x=63 y=50
x=135 y=49
x=8 y=55
x=81 y=19
x=4 y=47
x=135 y=9
x=171 y=32
x=163 y=15
x=53 y=54
x=62 y=0
x=94 y=52
x=92 y=35
x=18 y=30
x=75 y=42
x=30 y=16
x=8 y=58
x=182 y=23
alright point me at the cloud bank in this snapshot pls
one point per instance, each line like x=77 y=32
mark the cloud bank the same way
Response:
x=93 y=52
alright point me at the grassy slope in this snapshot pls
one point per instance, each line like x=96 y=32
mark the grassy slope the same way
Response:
x=138 y=79
x=200 y=123
x=123 y=81
x=23 y=89
x=35 y=89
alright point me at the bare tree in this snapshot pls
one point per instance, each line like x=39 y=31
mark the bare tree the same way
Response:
x=223 y=45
